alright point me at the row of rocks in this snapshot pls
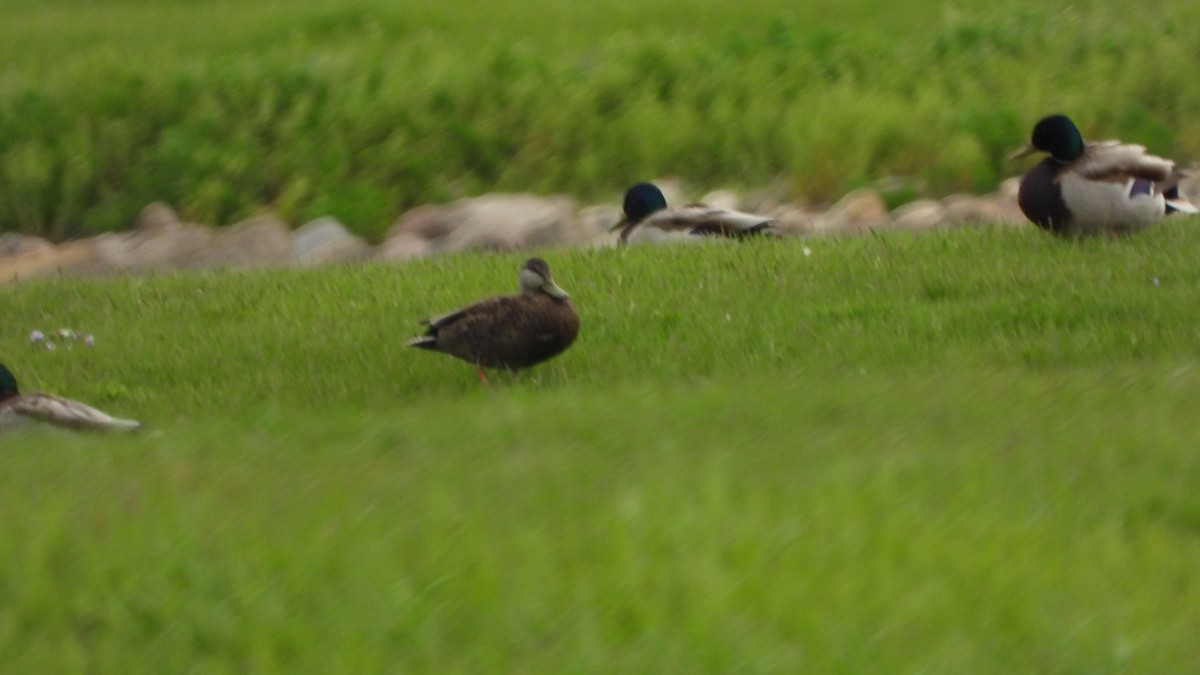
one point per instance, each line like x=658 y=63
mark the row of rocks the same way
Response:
x=161 y=241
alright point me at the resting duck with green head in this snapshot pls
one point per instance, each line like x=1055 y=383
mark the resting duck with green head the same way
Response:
x=648 y=219
x=1095 y=187
x=17 y=410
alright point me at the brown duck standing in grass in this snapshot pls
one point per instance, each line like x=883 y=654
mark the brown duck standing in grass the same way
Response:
x=646 y=218
x=508 y=331
x=17 y=409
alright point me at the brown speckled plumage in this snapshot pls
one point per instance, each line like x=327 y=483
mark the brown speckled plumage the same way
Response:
x=511 y=331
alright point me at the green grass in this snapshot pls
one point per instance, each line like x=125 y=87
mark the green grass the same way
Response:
x=363 y=109
x=967 y=451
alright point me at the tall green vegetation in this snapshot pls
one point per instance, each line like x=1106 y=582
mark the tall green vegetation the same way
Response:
x=363 y=109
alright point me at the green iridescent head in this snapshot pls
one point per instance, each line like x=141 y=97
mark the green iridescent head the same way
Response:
x=8 y=383
x=1057 y=135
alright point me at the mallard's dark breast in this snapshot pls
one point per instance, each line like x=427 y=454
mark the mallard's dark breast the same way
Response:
x=1040 y=197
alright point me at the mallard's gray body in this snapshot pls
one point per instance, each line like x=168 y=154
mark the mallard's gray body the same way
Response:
x=21 y=410
x=648 y=219
x=1091 y=188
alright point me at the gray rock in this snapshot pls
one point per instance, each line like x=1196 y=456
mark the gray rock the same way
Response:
x=674 y=191
x=974 y=210
x=12 y=243
x=922 y=214
x=256 y=242
x=156 y=216
x=403 y=246
x=1005 y=202
x=507 y=221
x=107 y=253
x=28 y=264
x=859 y=212
x=430 y=221
x=325 y=240
x=158 y=241
x=165 y=244
x=792 y=219
x=95 y=255
x=595 y=223
x=1009 y=188
x=722 y=199
x=768 y=199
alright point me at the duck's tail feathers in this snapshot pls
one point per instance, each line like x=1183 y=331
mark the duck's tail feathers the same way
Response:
x=1176 y=202
x=70 y=414
x=1180 y=205
x=423 y=342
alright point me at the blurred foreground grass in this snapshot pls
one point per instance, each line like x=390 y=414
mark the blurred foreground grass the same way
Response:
x=969 y=451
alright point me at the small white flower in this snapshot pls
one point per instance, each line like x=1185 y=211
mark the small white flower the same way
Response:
x=807 y=251
x=89 y=340
x=36 y=336
x=50 y=346
x=1155 y=281
x=66 y=333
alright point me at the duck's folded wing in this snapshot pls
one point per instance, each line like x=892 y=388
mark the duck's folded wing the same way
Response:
x=460 y=320
x=64 y=412
x=1116 y=161
x=709 y=220
x=444 y=319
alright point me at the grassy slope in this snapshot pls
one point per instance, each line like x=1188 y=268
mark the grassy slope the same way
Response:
x=963 y=452
x=362 y=109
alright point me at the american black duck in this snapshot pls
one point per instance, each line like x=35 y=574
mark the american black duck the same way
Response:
x=509 y=331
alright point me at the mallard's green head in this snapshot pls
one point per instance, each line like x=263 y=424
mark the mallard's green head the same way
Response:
x=640 y=201
x=535 y=277
x=8 y=383
x=1057 y=135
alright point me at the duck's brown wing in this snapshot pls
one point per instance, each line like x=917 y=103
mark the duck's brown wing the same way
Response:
x=511 y=331
x=1118 y=162
x=435 y=325
x=67 y=413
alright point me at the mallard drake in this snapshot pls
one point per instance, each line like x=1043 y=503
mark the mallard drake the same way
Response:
x=508 y=331
x=17 y=409
x=1095 y=187
x=647 y=218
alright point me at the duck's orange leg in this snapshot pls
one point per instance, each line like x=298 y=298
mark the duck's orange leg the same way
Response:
x=482 y=375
